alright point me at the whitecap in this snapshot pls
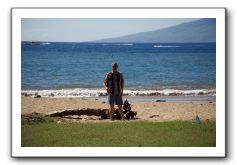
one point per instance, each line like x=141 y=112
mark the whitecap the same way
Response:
x=45 y=43
x=97 y=92
x=120 y=44
x=165 y=46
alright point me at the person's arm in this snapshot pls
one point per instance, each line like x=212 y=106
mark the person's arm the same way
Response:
x=106 y=83
x=122 y=83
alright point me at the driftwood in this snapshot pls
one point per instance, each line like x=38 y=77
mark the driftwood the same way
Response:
x=70 y=114
x=127 y=112
x=103 y=113
x=154 y=116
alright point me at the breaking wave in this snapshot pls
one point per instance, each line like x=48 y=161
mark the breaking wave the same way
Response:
x=122 y=44
x=164 y=46
x=83 y=92
x=45 y=43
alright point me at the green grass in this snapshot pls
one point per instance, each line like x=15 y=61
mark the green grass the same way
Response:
x=118 y=134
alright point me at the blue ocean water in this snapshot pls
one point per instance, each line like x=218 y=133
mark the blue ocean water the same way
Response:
x=149 y=66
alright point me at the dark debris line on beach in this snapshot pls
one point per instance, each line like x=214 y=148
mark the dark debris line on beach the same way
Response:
x=100 y=114
x=89 y=112
x=93 y=114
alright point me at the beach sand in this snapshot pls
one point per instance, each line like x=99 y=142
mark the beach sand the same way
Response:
x=146 y=110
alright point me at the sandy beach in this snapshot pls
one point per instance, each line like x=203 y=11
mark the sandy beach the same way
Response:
x=146 y=110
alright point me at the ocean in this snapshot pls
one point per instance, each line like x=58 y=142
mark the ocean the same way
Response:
x=63 y=69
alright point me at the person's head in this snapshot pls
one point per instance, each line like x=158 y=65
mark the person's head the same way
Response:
x=114 y=66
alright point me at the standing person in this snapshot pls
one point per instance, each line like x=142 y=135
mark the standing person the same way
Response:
x=114 y=84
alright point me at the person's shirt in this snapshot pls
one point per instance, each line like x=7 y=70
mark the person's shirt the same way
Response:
x=108 y=84
x=115 y=83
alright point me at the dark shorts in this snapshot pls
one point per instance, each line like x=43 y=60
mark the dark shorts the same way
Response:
x=115 y=99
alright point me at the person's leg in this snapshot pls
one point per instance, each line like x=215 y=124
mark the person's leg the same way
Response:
x=119 y=102
x=111 y=112
x=120 y=111
x=111 y=103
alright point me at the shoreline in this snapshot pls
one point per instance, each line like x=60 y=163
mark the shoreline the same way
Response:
x=157 y=98
x=181 y=98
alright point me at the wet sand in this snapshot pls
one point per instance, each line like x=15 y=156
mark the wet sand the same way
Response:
x=146 y=110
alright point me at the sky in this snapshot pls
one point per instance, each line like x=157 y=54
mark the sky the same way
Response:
x=90 y=29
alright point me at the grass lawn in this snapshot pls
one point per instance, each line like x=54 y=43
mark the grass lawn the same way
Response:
x=118 y=134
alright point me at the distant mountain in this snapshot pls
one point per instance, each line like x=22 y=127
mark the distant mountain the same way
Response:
x=203 y=30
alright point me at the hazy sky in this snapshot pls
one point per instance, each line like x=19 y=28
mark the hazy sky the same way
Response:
x=89 y=29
